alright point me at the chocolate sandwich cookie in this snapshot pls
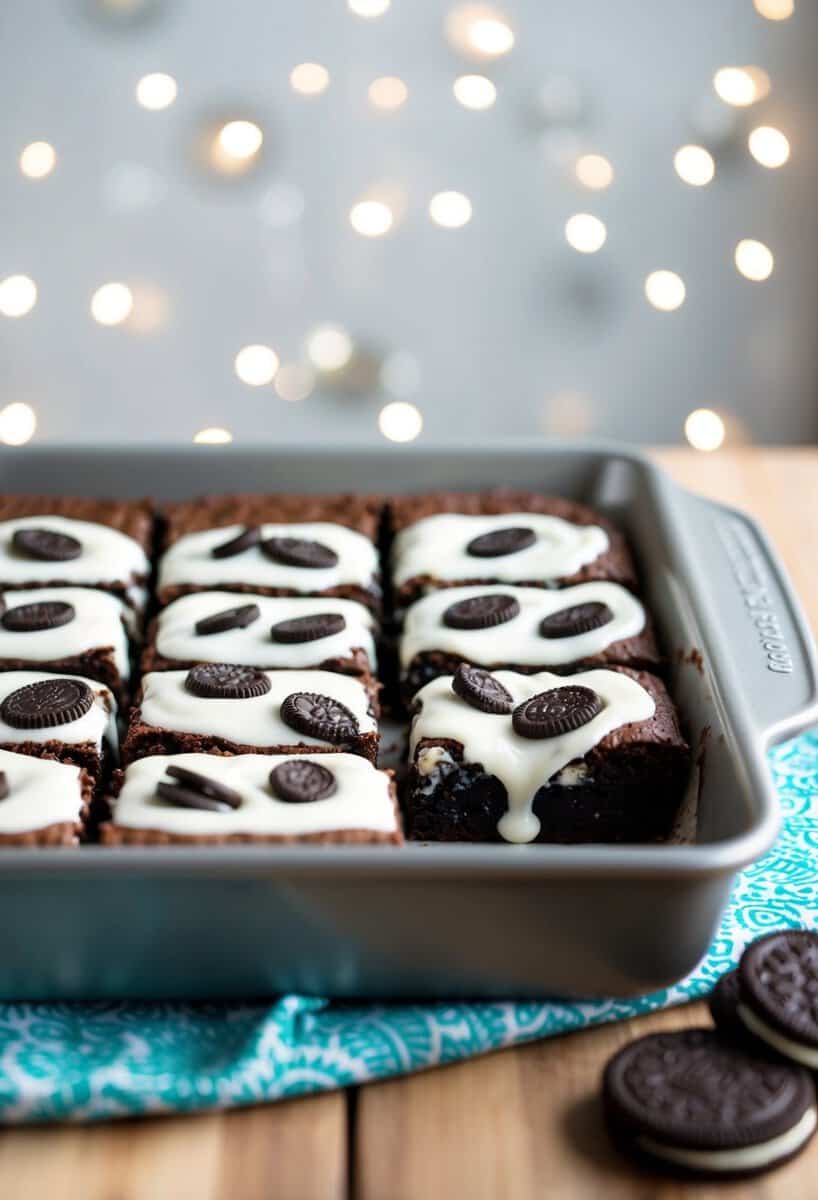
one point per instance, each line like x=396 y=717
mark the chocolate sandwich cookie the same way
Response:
x=778 y=1004
x=723 y=1004
x=693 y=1102
x=229 y=618
x=47 y=703
x=319 y=716
x=555 y=712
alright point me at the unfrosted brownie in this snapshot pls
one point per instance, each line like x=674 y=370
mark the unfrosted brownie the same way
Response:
x=56 y=541
x=67 y=631
x=277 y=545
x=212 y=798
x=269 y=632
x=525 y=630
x=592 y=757
x=241 y=710
x=58 y=716
x=443 y=539
x=43 y=802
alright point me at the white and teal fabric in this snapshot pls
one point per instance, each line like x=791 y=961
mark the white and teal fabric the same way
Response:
x=93 y=1061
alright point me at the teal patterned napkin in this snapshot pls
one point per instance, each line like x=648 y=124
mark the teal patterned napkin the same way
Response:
x=93 y=1061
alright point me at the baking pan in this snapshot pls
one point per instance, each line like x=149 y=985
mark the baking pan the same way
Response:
x=439 y=921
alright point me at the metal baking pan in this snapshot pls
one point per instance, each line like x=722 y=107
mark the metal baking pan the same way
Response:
x=439 y=921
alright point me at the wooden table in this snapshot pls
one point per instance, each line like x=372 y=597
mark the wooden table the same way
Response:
x=519 y=1124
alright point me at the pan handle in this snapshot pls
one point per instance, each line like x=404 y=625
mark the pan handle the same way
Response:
x=757 y=636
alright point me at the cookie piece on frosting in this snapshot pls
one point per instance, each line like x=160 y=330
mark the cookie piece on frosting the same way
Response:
x=43 y=802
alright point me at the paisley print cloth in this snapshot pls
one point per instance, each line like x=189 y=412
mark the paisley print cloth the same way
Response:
x=95 y=1061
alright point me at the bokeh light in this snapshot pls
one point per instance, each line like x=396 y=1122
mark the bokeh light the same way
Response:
x=754 y=260
x=240 y=139
x=213 y=435
x=309 y=79
x=400 y=421
x=371 y=218
x=585 y=233
x=329 y=347
x=256 y=365
x=156 y=91
x=18 y=423
x=741 y=86
x=775 y=10
x=479 y=31
x=594 y=171
x=451 y=210
x=18 y=295
x=769 y=146
x=368 y=8
x=665 y=290
x=388 y=92
x=294 y=382
x=38 y=160
x=694 y=165
x=474 y=91
x=112 y=304
x=704 y=429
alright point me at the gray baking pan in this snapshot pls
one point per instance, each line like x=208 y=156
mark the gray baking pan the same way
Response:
x=440 y=921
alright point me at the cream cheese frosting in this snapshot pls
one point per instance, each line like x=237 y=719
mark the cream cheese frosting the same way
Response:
x=42 y=792
x=94 y=726
x=99 y=620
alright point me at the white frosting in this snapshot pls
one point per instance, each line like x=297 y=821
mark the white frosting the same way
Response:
x=524 y=765
x=518 y=640
x=108 y=555
x=745 y=1158
x=252 y=646
x=806 y=1055
x=361 y=801
x=256 y=721
x=436 y=546
x=42 y=792
x=97 y=724
x=98 y=621
x=189 y=560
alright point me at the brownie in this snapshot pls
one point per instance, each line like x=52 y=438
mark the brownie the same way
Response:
x=290 y=632
x=68 y=631
x=526 y=630
x=593 y=757
x=58 y=716
x=209 y=799
x=58 y=541
x=442 y=539
x=45 y=802
x=276 y=545
x=241 y=710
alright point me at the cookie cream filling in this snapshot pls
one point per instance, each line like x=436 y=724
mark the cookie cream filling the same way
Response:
x=190 y=560
x=524 y=765
x=519 y=640
x=362 y=798
x=745 y=1158
x=94 y=726
x=254 y=721
x=806 y=1055
x=253 y=646
x=107 y=556
x=436 y=546
x=98 y=621
x=42 y=792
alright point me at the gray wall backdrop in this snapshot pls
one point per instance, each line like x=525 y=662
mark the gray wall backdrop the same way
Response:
x=509 y=330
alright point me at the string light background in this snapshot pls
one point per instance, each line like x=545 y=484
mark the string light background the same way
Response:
x=356 y=220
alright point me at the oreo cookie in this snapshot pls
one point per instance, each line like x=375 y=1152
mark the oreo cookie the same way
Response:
x=560 y=710
x=46 y=545
x=42 y=614
x=192 y=790
x=224 y=681
x=481 y=690
x=577 y=619
x=778 y=1003
x=249 y=537
x=501 y=542
x=300 y=552
x=311 y=628
x=47 y=703
x=695 y=1103
x=723 y=1005
x=317 y=716
x=301 y=781
x=481 y=612
x=229 y=618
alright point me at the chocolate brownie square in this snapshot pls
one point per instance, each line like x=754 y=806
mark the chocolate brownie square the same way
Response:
x=273 y=545
x=269 y=632
x=208 y=799
x=443 y=539
x=241 y=710
x=59 y=541
x=68 y=631
x=58 y=716
x=525 y=630
x=592 y=757
x=44 y=802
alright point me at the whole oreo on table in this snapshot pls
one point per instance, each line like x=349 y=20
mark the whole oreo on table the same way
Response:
x=193 y=790
x=481 y=612
x=311 y=628
x=322 y=717
x=300 y=781
x=501 y=542
x=700 y=1104
x=229 y=618
x=481 y=690
x=723 y=1005
x=560 y=710
x=251 y=536
x=300 y=552
x=778 y=1004
x=578 y=618
x=47 y=703
x=42 y=614
x=224 y=681
x=46 y=545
